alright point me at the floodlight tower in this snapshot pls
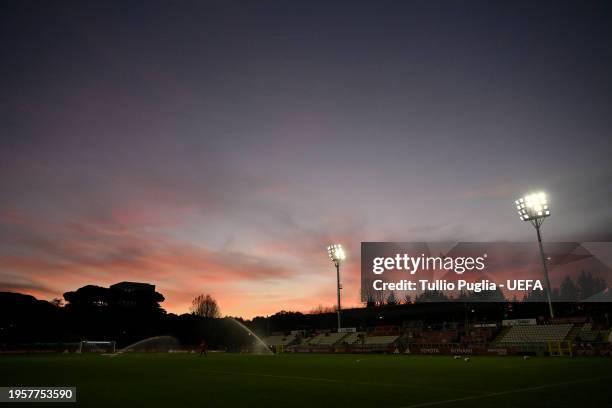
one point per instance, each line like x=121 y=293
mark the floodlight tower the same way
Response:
x=336 y=254
x=534 y=208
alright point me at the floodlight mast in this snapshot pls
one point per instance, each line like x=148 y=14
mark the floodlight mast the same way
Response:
x=336 y=254
x=534 y=208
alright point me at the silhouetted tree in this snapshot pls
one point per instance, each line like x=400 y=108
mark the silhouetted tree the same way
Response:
x=380 y=297
x=589 y=285
x=569 y=291
x=205 y=306
x=535 y=296
x=485 y=296
x=370 y=298
x=57 y=302
x=432 y=296
x=320 y=309
x=88 y=296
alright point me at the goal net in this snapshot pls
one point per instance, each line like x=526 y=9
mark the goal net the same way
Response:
x=96 y=347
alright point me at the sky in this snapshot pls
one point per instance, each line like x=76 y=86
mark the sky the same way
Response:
x=219 y=146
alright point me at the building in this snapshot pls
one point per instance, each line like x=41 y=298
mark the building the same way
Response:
x=133 y=287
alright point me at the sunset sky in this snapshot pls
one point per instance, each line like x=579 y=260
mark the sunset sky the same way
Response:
x=219 y=146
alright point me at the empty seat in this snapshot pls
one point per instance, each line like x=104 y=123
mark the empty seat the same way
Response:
x=279 y=340
x=536 y=334
x=380 y=340
x=326 y=339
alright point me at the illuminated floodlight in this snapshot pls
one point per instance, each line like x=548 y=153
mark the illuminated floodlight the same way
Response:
x=534 y=208
x=337 y=255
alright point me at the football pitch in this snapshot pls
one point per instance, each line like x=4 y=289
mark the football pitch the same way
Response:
x=288 y=380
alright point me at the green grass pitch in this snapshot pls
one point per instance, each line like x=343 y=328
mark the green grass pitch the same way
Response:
x=316 y=380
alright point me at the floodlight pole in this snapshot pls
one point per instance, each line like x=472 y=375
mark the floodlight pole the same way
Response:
x=537 y=223
x=336 y=254
x=338 y=286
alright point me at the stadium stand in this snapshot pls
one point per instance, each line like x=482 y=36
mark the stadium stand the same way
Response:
x=386 y=330
x=325 y=339
x=592 y=333
x=280 y=340
x=535 y=334
x=587 y=333
x=376 y=343
x=332 y=338
x=432 y=337
x=554 y=339
x=380 y=340
x=478 y=335
x=353 y=338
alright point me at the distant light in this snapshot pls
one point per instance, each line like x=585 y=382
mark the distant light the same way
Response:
x=533 y=206
x=336 y=253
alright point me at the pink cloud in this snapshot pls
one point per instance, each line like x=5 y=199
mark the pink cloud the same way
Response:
x=61 y=257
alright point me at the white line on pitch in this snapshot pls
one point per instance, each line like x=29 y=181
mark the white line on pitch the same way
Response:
x=329 y=380
x=496 y=394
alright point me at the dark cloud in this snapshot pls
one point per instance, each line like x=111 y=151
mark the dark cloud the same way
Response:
x=244 y=137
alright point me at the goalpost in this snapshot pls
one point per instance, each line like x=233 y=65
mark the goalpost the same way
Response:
x=87 y=346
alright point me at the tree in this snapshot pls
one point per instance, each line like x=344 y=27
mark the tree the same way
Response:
x=569 y=290
x=380 y=297
x=205 y=306
x=320 y=309
x=88 y=296
x=432 y=296
x=485 y=296
x=57 y=302
x=370 y=297
x=589 y=284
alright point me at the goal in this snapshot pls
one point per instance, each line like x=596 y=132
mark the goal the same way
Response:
x=87 y=346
